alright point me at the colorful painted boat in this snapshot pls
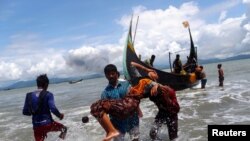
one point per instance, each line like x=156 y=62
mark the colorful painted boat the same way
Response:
x=176 y=81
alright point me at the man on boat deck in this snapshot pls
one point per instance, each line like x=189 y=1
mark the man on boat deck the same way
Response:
x=142 y=87
x=177 y=65
x=38 y=104
x=150 y=62
x=117 y=89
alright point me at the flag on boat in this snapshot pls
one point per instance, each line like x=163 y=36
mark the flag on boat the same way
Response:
x=185 y=24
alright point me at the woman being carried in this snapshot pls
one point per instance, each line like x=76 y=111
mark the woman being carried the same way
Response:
x=142 y=87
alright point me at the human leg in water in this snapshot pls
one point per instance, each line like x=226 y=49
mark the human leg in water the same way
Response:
x=63 y=132
x=172 y=123
x=134 y=133
x=111 y=132
x=154 y=131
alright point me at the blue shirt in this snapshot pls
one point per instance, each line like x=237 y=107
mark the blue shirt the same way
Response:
x=44 y=117
x=119 y=92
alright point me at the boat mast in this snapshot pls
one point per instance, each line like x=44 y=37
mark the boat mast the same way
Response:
x=193 y=50
x=135 y=29
x=170 y=64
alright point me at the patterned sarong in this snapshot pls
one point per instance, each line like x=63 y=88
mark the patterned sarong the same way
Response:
x=121 y=108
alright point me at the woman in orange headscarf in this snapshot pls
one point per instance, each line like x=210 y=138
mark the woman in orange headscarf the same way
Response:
x=142 y=87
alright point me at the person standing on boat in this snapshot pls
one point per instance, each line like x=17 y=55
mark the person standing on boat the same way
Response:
x=193 y=64
x=163 y=96
x=203 y=78
x=39 y=104
x=221 y=75
x=177 y=65
x=150 y=62
x=139 y=56
x=117 y=89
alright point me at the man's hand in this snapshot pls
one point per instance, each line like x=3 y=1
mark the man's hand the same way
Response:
x=61 y=116
x=153 y=91
x=153 y=75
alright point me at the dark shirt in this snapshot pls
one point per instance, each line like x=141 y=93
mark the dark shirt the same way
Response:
x=177 y=65
x=44 y=117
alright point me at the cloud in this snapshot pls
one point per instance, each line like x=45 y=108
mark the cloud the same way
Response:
x=223 y=15
x=28 y=67
x=219 y=39
x=87 y=59
x=246 y=40
x=159 y=32
x=246 y=1
x=24 y=43
x=218 y=8
x=52 y=65
x=10 y=71
x=93 y=58
x=27 y=56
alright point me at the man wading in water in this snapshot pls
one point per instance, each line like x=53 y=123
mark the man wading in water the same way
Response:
x=142 y=87
x=38 y=104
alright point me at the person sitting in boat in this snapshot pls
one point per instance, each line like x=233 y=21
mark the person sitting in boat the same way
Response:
x=142 y=87
x=177 y=65
x=150 y=62
x=186 y=66
x=139 y=56
x=193 y=65
x=190 y=65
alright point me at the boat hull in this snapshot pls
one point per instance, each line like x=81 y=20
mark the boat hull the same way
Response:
x=176 y=81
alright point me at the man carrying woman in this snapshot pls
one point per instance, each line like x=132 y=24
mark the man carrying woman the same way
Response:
x=163 y=96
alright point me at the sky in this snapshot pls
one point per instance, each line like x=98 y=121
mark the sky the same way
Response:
x=69 y=38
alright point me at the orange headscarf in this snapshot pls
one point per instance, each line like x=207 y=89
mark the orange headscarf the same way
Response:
x=140 y=87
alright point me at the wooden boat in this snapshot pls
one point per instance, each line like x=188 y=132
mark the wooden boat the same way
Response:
x=176 y=81
x=75 y=81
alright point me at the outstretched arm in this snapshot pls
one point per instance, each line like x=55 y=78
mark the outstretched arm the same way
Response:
x=53 y=108
x=141 y=67
x=151 y=73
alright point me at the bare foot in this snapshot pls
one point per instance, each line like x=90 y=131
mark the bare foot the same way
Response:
x=111 y=135
x=63 y=133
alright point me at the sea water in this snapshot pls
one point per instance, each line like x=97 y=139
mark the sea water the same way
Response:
x=199 y=108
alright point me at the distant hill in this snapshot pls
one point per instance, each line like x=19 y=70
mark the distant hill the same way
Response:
x=30 y=83
x=208 y=61
x=239 y=57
